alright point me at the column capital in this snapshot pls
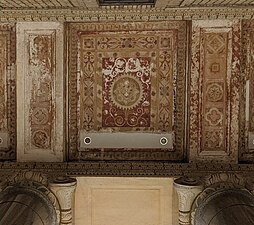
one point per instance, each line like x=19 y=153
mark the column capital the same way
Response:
x=64 y=189
x=187 y=190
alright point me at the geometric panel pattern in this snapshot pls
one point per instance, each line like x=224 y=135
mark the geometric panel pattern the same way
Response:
x=40 y=92
x=7 y=92
x=129 y=79
x=214 y=95
x=214 y=101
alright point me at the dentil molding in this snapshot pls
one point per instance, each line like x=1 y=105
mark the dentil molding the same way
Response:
x=126 y=14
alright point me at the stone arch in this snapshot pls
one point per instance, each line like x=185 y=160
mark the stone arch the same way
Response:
x=228 y=191
x=26 y=206
x=26 y=200
x=223 y=193
x=225 y=206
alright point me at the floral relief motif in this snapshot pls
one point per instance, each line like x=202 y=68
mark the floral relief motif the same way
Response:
x=214 y=92
x=40 y=139
x=88 y=43
x=130 y=42
x=214 y=117
x=126 y=92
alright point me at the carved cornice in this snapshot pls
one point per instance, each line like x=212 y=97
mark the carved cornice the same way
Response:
x=128 y=169
x=127 y=14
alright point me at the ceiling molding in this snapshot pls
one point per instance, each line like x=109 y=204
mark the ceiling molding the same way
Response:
x=127 y=14
x=86 y=4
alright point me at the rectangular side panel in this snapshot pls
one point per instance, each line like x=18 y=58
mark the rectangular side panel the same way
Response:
x=40 y=91
x=246 y=146
x=125 y=201
x=7 y=92
x=128 y=78
x=214 y=101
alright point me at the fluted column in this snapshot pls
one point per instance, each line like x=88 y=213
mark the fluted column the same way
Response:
x=187 y=190
x=64 y=189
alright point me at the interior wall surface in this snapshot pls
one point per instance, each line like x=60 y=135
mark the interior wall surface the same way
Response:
x=135 y=201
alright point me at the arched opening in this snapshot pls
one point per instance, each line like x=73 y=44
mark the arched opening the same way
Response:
x=227 y=207
x=26 y=206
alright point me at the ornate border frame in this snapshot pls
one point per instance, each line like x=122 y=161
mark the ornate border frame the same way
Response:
x=9 y=29
x=245 y=154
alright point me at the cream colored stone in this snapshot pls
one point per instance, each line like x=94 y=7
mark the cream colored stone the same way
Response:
x=37 y=67
x=125 y=201
x=175 y=206
x=187 y=192
x=64 y=190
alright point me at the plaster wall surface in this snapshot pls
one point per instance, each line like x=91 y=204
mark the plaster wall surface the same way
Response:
x=125 y=201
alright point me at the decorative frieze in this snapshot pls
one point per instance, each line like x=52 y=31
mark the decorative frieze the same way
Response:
x=40 y=91
x=128 y=13
x=214 y=87
x=125 y=169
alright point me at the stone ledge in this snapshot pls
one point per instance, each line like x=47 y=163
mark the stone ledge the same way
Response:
x=127 y=14
x=128 y=169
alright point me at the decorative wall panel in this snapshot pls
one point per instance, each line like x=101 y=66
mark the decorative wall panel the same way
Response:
x=127 y=77
x=214 y=100
x=40 y=91
x=246 y=147
x=7 y=92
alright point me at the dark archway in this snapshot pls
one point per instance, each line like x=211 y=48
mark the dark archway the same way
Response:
x=227 y=207
x=26 y=206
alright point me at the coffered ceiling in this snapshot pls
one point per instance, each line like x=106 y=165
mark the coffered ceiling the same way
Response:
x=91 y=4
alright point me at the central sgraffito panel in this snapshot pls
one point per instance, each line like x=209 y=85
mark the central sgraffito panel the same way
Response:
x=126 y=92
x=129 y=78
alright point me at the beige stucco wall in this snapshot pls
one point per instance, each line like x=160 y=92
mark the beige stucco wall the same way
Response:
x=125 y=201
